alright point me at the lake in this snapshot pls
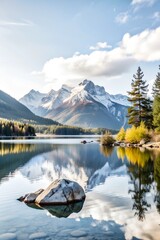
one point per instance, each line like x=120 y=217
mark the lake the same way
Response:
x=122 y=188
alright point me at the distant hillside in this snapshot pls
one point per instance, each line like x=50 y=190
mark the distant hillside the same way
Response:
x=10 y=108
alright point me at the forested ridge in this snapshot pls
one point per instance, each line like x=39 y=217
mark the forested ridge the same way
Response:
x=13 y=128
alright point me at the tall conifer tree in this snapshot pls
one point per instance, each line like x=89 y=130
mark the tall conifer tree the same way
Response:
x=140 y=110
x=156 y=102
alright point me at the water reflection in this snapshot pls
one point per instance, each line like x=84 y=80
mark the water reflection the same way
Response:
x=105 y=170
x=157 y=179
x=14 y=156
x=60 y=210
x=15 y=148
x=106 y=151
x=76 y=162
x=144 y=172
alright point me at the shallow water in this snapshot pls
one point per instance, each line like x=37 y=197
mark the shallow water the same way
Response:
x=122 y=190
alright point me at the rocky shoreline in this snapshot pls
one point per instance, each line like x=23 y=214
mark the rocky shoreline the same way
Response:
x=148 y=145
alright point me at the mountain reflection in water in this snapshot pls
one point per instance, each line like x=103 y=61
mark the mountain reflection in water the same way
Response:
x=122 y=184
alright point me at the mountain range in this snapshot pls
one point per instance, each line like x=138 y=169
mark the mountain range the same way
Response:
x=86 y=105
x=12 y=109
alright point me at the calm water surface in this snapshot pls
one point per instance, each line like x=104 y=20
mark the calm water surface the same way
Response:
x=122 y=190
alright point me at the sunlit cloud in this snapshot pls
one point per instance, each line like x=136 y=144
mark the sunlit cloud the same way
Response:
x=100 y=45
x=144 y=46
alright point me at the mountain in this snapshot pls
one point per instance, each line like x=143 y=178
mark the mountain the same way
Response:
x=41 y=103
x=86 y=105
x=12 y=109
x=32 y=100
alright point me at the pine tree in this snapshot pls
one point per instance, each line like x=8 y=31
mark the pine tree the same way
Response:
x=156 y=85
x=141 y=106
x=148 y=107
x=156 y=102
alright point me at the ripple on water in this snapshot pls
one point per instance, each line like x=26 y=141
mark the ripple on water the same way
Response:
x=78 y=233
x=37 y=235
x=8 y=236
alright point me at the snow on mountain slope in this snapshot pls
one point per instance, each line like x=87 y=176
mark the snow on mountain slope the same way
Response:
x=32 y=99
x=120 y=99
x=46 y=101
x=71 y=105
x=54 y=99
x=85 y=91
x=59 y=98
x=40 y=103
x=78 y=95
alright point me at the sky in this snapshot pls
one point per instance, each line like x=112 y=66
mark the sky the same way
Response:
x=47 y=43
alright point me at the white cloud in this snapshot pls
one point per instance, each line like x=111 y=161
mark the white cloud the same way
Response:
x=15 y=23
x=100 y=45
x=144 y=46
x=132 y=49
x=122 y=17
x=77 y=53
x=141 y=2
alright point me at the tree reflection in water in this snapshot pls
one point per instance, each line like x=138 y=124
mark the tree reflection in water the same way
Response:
x=145 y=176
x=106 y=151
x=157 y=179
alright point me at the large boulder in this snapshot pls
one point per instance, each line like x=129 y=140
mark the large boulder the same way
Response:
x=61 y=192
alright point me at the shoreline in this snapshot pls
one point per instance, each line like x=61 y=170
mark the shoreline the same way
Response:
x=151 y=145
x=148 y=145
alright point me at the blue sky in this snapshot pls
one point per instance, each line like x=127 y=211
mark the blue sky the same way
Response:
x=46 y=43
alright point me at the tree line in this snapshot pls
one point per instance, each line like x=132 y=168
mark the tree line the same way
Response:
x=13 y=128
x=70 y=130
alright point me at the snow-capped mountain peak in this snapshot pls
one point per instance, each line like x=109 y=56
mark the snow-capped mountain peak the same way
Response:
x=72 y=105
x=33 y=98
x=91 y=88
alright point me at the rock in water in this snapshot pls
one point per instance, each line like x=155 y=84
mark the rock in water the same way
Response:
x=61 y=192
x=30 y=197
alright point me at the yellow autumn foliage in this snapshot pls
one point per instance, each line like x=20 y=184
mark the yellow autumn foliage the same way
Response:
x=136 y=134
x=121 y=135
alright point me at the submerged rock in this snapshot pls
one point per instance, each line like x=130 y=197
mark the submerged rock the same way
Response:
x=61 y=192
